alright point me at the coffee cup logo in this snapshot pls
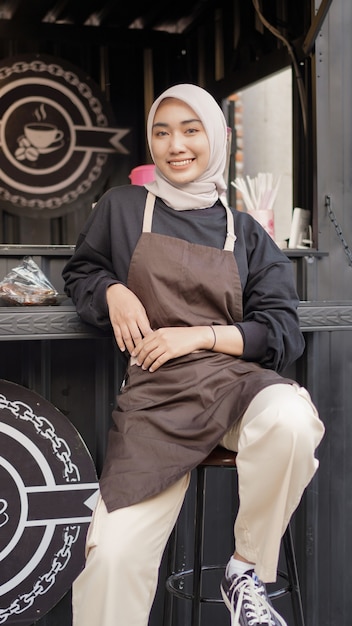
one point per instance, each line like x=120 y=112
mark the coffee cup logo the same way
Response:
x=58 y=137
x=38 y=138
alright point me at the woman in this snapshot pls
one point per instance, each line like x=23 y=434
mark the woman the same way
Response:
x=204 y=303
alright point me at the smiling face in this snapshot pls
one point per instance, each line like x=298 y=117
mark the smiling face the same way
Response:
x=179 y=142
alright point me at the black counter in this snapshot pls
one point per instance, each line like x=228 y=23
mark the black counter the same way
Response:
x=62 y=322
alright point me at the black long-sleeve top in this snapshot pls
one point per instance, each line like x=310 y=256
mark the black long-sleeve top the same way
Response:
x=270 y=326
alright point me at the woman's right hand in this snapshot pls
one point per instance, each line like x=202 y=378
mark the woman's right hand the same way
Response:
x=127 y=315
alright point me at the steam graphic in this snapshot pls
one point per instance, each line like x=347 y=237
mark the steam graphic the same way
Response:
x=40 y=113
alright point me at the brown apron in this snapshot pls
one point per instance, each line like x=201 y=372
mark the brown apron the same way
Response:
x=167 y=421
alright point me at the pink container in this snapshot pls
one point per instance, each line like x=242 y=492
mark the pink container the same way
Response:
x=265 y=217
x=142 y=174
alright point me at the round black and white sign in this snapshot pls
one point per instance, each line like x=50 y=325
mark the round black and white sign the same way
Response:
x=48 y=489
x=57 y=136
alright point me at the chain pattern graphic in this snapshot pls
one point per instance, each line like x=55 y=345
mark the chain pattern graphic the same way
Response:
x=62 y=452
x=55 y=203
x=45 y=582
x=45 y=428
x=57 y=71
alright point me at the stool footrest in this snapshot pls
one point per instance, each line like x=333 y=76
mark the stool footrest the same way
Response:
x=183 y=595
x=179 y=593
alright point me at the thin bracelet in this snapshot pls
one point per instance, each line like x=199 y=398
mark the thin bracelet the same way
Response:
x=213 y=346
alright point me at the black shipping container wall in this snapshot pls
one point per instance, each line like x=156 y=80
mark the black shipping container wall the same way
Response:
x=328 y=518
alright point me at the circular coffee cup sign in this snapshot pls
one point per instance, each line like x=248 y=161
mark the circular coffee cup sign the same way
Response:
x=57 y=136
x=48 y=489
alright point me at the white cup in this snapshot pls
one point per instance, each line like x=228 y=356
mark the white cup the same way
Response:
x=41 y=134
x=265 y=217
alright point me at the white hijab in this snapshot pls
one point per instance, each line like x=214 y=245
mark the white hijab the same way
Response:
x=205 y=190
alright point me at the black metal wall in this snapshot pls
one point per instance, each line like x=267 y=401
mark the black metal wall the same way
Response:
x=327 y=537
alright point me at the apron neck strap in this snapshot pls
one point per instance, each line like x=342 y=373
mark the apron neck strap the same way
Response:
x=148 y=213
x=230 y=234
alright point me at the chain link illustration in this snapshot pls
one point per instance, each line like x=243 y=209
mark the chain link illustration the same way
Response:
x=45 y=582
x=55 y=203
x=57 y=71
x=45 y=428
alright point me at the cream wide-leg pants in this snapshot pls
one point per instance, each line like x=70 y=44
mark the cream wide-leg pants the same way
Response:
x=275 y=440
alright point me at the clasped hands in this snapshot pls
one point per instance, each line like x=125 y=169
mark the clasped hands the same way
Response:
x=150 y=348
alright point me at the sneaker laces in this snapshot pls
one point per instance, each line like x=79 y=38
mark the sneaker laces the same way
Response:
x=252 y=596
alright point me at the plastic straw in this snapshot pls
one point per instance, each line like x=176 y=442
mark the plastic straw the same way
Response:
x=258 y=193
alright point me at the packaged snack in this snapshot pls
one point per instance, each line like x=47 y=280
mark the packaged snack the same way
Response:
x=27 y=285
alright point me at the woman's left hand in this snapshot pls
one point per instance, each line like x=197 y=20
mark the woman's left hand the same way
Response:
x=165 y=344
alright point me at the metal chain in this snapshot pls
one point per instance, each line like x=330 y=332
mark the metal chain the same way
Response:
x=338 y=229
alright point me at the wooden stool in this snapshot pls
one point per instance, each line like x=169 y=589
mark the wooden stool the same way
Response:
x=220 y=458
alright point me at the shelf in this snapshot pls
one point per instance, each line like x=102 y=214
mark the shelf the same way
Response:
x=19 y=250
x=295 y=253
x=51 y=322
